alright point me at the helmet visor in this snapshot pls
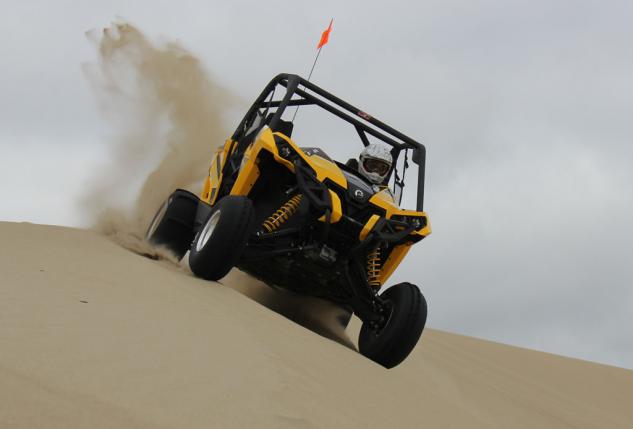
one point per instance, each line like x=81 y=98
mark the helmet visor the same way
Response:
x=379 y=166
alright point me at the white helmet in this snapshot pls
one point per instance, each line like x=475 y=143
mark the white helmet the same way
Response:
x=375 y=162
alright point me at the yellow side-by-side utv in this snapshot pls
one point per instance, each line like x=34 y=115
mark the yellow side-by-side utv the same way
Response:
x=296 y=219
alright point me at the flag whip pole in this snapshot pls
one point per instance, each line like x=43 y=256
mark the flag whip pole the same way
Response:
x=314 y=63
x=324 y=39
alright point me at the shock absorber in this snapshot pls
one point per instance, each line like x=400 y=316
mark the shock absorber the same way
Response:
x=374 y=267
x=282 y=214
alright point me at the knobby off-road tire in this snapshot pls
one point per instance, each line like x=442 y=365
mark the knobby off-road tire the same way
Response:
x=221 y=241
x=393 y=343
x=172 y=226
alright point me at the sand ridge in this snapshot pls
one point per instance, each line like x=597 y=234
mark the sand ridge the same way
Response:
x=93 y=335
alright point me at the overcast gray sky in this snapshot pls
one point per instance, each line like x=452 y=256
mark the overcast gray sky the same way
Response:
x=526 y=109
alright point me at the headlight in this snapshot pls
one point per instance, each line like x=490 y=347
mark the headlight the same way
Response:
x=285 y=150
x=417 y=222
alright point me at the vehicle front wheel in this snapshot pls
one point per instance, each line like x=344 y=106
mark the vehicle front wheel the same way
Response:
x=221 y=241
x=172 y=225
x=390 y=343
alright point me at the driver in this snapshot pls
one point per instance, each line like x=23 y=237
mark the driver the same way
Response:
x=375 y=163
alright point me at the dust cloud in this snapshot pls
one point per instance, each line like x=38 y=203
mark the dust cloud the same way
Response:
x=166 y=112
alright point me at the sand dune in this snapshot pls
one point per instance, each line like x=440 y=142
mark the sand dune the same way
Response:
x=94 y=336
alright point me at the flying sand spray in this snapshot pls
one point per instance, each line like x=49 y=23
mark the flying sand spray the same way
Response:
x=138 y=87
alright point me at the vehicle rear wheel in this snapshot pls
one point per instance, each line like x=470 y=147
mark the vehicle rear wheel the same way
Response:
x=172 y=225
x=221 y=241
x=391 y=344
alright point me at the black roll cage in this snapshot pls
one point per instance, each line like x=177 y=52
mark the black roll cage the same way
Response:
x=311 y=94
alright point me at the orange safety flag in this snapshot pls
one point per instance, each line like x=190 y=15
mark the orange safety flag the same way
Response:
x=325 y=36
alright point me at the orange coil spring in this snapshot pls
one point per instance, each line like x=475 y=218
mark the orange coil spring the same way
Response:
x=374 y=268
x=283 y=214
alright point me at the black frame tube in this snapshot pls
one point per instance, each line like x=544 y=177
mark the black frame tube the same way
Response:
x=292 y=82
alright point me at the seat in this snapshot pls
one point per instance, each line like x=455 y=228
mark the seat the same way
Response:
x=284 y=127
x=352 y=163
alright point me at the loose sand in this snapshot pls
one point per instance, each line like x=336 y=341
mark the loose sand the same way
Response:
x=94 y=336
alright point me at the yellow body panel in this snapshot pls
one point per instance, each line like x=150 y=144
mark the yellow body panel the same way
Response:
x=213 y=180
x=383 y=199
x=337 y=209
x=205 y=195
x=397 y=254
x=368 y=227
x=245 y=181
x=266 y=141
x=249 y=172
x=327 y=170
x=324 y=169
